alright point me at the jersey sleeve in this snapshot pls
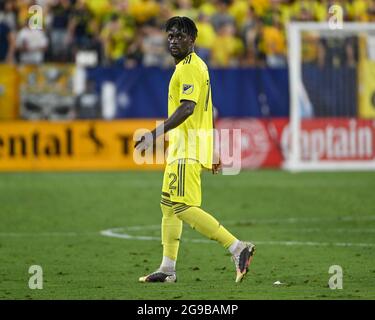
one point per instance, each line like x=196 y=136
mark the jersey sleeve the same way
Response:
x=190 y=83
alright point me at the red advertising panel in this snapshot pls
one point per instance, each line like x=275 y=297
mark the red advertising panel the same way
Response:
x=338 y=139
x=265 y=143
x=260 y=141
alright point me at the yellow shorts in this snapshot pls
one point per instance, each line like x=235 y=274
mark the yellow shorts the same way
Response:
x=182 y=181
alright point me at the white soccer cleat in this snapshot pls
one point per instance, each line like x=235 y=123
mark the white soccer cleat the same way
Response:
x=243 y=260
x=159 y=276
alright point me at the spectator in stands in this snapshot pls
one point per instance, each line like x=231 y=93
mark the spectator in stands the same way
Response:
x=8 y=14
x=250 y=34
x=371 y=19
x=357 y=10
x=116 y=38
x=122 y=9
x=274 y=43
x=222 y=16
x=206 y=37
x=371 y=12
x=153 y=46
x=166 y=10
x=99 y=9
x=310 y=45
x=83 y=29
x=144 y=10
x=208 y=7
x=31 y=44
x=7 y=37
x=305 y=10
x=6 y=43
x=304 y=14
x=238 y=10
x=338 y=52
x=134 y=55
x=260 y=7
x=285 y=8
x=60 y=12
x=228 y=48
x=185 y=8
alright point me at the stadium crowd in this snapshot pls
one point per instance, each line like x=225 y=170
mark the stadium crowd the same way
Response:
x=130 y=32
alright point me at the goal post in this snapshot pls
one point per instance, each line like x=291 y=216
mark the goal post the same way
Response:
x=327 y=128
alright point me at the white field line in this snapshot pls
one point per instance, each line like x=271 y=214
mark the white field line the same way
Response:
x=290 y=220
x=123 y=233
x=114 y=233
x=308 y=219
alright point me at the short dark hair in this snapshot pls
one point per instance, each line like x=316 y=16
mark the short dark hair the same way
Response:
x=183 y=24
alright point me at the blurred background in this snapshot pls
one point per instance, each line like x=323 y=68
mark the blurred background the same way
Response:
x=73 y=92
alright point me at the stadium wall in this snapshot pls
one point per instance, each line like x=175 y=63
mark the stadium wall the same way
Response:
x=142 y=92
x=46 y=92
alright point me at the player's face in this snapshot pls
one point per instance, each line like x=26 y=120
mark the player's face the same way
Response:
x=179 y=43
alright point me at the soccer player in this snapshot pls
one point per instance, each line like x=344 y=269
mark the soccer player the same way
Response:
x=189 y=111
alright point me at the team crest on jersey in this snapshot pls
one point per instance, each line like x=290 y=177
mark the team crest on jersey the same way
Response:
x=187 y=88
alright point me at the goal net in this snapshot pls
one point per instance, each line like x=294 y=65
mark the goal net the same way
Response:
x=332 y=97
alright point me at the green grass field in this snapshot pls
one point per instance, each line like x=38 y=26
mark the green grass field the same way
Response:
x=302 y=224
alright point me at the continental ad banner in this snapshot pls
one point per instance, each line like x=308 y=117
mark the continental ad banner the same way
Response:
x=78 y=145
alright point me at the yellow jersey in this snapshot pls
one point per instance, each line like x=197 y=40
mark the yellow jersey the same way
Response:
x=192 y=139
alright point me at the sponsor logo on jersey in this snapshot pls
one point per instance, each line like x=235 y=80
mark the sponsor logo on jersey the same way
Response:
x=187 y=88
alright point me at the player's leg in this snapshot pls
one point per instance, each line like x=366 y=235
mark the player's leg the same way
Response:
x=186 y=205
x=242 y=252
x=171 y=229
x=187 y=199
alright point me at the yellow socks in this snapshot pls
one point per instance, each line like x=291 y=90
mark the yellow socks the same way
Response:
x=171 y=229
x=204 y=223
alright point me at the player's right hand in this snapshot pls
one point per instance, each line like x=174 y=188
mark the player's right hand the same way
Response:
x=142 y=144
x=138 y=142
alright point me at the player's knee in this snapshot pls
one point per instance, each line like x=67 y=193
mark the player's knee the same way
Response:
x=166 y=205
x=166 y=210
x=180 y=211
x=179 y=207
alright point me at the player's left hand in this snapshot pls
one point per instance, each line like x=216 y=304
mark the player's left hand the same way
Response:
x=216 y=164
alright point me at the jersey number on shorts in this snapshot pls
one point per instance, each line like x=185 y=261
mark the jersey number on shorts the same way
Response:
x=181 y=180
x=171 y=184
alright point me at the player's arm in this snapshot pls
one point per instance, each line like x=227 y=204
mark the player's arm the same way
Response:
x=189 y=81
x=184 y=111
